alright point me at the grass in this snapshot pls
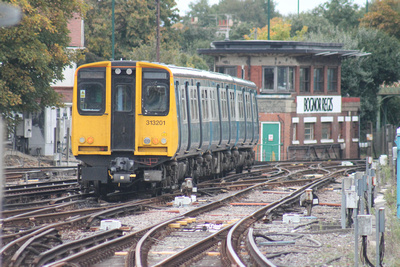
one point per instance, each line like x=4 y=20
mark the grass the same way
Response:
x=392 y=223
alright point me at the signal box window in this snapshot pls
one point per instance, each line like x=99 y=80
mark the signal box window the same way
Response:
x=232 y=71
x=308 y=131
x=294 y=125
x=326 y=130
x=268 y=78
x=91 y=97
x=318 y=80
x=155 y=93
x=285 y=78
x=332 y=79
x=278 y=78
x=304 y=79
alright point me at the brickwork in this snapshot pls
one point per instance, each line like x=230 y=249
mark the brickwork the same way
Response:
x=256 y=75
x=75 y=26
x=66 y=93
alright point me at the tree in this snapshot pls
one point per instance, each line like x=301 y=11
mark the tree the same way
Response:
x=254 y=12
x=135 y=24
x=33 y=55
x=279 y=30
x=384 y=15
x=340 y=13
x=203 y=14
x=169 y=54
x=314 y=23
x=363 y=76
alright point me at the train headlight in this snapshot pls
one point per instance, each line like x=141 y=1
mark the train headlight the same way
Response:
x=117 y=71
x=146 y=141
x=90 y=140
x=155 y=141
x=82 y=140
x=129 y=71
x=163 y=141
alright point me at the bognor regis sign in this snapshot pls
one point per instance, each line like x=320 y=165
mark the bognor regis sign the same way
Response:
x=319 y=104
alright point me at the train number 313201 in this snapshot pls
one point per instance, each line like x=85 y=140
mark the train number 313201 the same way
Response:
x=155 y=122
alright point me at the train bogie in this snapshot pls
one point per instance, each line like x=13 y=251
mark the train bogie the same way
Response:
x=145 y=125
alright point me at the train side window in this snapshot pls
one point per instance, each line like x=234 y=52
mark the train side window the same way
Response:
x=183 y=103
x=213 y=102
x=224 y=105
x=246 y=105
x=91 y=97
x=240 y=105
x=204 y=103
x=194 y=106
x=254 y=105
x=232 y=105
x=155 y=93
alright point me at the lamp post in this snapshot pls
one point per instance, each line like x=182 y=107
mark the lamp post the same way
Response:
x=113 y=35
x=298 y=7
x=269 y=14
x=158 y=32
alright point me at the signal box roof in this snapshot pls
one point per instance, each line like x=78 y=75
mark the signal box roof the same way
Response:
x=292 y=48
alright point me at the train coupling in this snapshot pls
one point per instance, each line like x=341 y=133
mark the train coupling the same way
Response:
x=121 y=170
x=123 y=177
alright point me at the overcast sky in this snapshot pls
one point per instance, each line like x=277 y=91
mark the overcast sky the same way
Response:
x=284 y=7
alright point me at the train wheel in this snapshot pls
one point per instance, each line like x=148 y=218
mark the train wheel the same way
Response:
x=96 y=187
x=100 y=189
x=85 y=187
x=156 y=189
x=239 y=169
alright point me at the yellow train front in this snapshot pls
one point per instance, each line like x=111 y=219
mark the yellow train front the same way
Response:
x=140 y=125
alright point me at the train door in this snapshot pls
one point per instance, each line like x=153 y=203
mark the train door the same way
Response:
x=123 y=113
x=270 y=137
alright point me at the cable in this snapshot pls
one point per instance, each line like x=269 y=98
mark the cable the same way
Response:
x=363 y=252
x=382 y=248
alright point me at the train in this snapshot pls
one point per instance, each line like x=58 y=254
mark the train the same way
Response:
x=148 y=126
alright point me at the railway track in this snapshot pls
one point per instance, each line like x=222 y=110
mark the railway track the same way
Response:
x=229 y=236
x=17 y=174
x=139 y=244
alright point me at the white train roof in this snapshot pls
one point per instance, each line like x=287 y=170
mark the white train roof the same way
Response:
x=190 y=72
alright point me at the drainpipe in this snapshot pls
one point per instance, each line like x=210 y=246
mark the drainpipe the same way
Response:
x=283 y=134
x=398 y=172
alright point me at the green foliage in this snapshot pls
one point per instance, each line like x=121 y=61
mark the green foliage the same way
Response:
x=340 y=13
x=392 y=223
x=168 y=55
x=314 y=23
x=254 y=12
x=384 y=15
x=135 y=24
x=33 y=54
x=279 y=30
x=194 y=36
x=239 y=30
x=205 y=15
x=361 y=76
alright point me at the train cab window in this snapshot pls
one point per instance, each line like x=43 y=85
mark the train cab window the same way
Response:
x=91 y=97
x=155 y=93
x=91 y=91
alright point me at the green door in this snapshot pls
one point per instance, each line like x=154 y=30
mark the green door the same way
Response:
x=270 y=141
